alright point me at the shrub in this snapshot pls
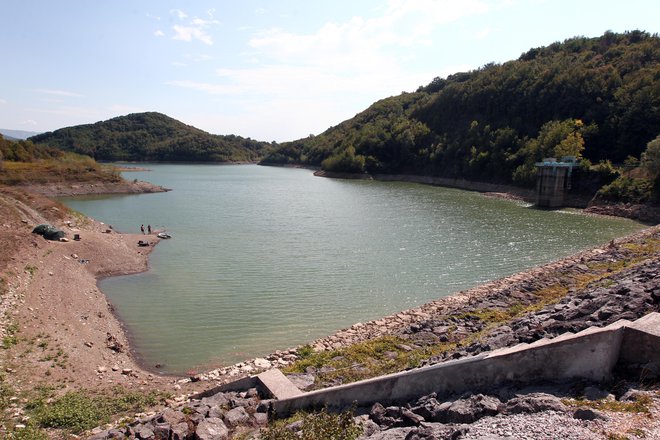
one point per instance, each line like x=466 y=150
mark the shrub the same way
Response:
x=627 y=190
x=346 y=162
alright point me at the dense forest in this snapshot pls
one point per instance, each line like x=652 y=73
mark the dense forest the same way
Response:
x=151 y=137
x=594 y=98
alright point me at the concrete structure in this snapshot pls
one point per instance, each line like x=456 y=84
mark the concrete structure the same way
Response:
x=553 y=180
x=591 y=354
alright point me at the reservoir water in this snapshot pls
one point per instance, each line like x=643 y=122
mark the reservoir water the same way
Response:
x=267 y=258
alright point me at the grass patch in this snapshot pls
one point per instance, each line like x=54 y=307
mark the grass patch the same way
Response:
x=384 y=355
x=495 y=316
x=31 y=269
x=11 y=337
x=82 y=410
x=68 y=168
x=321 y=425
x=641 y=405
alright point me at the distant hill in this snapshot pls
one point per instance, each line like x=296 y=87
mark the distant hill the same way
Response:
x=598 y=98
x=151 y=137
x=15 y=135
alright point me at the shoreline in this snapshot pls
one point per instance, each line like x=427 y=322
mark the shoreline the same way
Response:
x=647 y=214
x=455 y=303
x=63 y=329
x=142 y=374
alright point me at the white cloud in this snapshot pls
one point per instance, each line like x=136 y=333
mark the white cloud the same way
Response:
x=179 y=13
x=337 y=70
x=159 y=33
x=373 y=44
x=195 y=29
x=179 y=64
x=29 y=122
x=3 y=101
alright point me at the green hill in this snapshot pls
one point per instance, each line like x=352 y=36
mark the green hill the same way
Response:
x=151 y=137
x=598 y=98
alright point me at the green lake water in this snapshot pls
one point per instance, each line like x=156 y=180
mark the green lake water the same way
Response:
x=266 y=258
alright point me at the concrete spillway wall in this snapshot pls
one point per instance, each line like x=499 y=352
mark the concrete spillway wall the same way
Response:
x=591 y=354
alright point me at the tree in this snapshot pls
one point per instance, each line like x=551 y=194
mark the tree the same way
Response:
x=651 y=163
x=651 y=158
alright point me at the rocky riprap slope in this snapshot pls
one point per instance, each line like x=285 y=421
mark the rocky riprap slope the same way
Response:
x=565 y=412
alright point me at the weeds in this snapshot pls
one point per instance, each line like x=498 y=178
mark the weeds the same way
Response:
x=11 y=336
x=321 y=425
x=641 y=405
x=31 y=269
x=81 y=410
x=375 y=357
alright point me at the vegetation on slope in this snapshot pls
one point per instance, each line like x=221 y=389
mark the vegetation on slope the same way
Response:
x=23 y=162
x=595 y=98
x=151 y=137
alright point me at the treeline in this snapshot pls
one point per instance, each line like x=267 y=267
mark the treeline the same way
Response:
x=26 y=151
x=594 y=98
x=151 y=137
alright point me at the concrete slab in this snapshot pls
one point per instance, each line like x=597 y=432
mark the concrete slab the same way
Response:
x=648 y=324
x=277 y=385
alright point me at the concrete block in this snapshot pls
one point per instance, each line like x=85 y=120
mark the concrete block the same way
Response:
x=277 y=385
x=641 y=341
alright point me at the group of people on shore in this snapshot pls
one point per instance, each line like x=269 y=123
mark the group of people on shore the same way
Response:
x=148 y=229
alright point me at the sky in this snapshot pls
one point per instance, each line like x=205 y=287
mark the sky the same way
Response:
x=275 y=70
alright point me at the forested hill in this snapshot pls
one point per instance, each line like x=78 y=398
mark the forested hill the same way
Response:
x=151 y=137
x=595 y=97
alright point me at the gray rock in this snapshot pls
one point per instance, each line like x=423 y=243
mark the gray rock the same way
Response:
x=472 y=409
x=171 y=417
x=533 y=403
x=593 y=393
x=218 y=399
x=369 y=428
x=161 y=431
x=589 y=414
x=217 y=412
x=260 y=418
x=211 y=429
x=303 y=380
x=236 y=416
x=180 y=431
x=410 y=418
x=144 y=432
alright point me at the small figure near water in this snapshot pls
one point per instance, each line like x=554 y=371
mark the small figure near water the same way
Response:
x=142 y=228
x=149 y=229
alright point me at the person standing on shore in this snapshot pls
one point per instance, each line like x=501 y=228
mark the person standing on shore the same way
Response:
x=149 y=229
x=142 y=228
